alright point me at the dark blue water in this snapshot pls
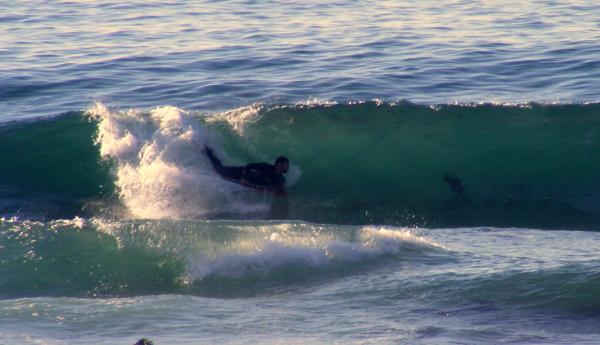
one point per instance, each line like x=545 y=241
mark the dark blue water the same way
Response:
x=210 y=56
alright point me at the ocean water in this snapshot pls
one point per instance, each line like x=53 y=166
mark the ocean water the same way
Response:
x=443 y=185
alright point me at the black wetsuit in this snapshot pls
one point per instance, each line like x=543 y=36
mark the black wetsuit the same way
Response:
x=255 y=174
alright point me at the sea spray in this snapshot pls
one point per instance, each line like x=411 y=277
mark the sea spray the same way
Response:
x=161 y=169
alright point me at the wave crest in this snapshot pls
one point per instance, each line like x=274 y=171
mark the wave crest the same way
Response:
x=160 y=169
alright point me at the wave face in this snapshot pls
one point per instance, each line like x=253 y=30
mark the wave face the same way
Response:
x=96 y=258
x=423 y=268
x=445 y=166
x=50 y=168
x=365 y=163
x=442 y=166
x=68 y=258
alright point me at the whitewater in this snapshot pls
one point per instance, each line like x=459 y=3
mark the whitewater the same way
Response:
x=443 y=184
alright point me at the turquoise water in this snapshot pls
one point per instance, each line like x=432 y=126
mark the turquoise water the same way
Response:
x=197 y=282
x=355 y=164
x=443 y=184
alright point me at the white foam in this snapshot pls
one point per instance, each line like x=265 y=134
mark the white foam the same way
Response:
x=388 y=240
x=278 y=248
x=238 y=118
x=160 y=169
x=314 y=102
x=226 y=249
x=76 y=222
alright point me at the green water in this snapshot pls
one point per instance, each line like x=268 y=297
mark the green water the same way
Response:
x=527 y=165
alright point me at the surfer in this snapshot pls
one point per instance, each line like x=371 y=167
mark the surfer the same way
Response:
x=455 y=183
x=261 y=176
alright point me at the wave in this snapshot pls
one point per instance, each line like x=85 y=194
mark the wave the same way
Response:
x=160 y=170
x=68 y=258
x=402 y=164
x=97 y=258
x=230 y=259
x=569 y=288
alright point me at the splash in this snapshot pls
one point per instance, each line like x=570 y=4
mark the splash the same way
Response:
x=234 y=250
x=161 y=171
x=238 y=118
x=279 y=247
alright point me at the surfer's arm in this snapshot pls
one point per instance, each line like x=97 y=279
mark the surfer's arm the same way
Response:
x=278 y=187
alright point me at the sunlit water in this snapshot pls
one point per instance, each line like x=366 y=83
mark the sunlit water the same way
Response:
x=60 y=56
x=112 y=277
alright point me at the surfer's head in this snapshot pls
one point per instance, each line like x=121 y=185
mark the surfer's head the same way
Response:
x=282 y=165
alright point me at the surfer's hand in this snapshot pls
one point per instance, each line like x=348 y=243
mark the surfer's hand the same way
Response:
x=280 y=191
